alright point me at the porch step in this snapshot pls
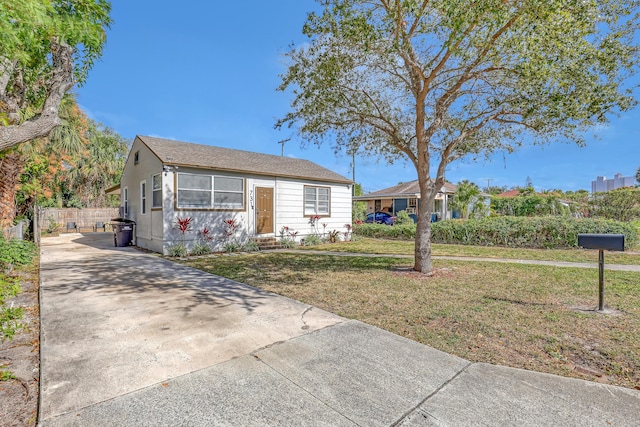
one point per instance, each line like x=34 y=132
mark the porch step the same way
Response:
x=266 y=243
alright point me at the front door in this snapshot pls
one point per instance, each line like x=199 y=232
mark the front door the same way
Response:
x=264 y=210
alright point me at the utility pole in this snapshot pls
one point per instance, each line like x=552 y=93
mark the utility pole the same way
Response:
x=284 y=141
x=489 y=183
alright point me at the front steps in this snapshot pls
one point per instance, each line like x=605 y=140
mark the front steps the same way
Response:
x=266 y=243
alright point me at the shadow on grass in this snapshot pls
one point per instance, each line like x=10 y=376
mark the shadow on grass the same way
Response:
x=287 y=268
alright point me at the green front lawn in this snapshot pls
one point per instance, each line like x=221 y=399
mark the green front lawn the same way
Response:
x=526 y=316
x=404 y=247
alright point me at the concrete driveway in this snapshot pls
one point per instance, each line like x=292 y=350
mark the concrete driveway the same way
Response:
x=131 y=339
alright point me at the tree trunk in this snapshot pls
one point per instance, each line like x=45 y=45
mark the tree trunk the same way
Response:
x=428 y=192
x=11 y=166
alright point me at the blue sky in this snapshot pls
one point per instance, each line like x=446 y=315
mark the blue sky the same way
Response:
x=206 y=72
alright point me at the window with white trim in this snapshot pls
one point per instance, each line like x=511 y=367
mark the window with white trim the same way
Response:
x=156 y=184
x=143 y=197
x=316 y=200
x=210 y=192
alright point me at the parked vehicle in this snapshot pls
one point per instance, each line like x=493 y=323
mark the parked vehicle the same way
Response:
x=380 y=218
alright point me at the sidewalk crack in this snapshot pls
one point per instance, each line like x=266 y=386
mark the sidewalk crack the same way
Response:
x=436 y=391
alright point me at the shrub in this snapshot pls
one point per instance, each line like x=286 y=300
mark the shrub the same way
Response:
x=520 y=232
x=15 y=252
x=250 y=246
x=523 y=232
x=404 y=231
x=230 y=247
x=403 y=218
x=178 y=250
x=200 y=248
x=9 y=316
x=312 y=240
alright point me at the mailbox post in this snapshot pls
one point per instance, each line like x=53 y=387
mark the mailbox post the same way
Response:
x=602 y=242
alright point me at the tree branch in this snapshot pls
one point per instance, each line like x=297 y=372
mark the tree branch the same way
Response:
x=60 y=82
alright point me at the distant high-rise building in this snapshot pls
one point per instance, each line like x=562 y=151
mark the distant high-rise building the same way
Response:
x=602 y=184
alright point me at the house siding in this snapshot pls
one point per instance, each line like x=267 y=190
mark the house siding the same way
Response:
x=156 y=229
x=148 y=226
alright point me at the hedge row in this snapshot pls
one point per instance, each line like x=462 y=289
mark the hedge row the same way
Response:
x=516 y=232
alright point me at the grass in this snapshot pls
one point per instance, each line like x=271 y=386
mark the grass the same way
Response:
x=525 y=316
x=404 y=247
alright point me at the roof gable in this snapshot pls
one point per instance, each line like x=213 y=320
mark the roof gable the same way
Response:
x=227 y=159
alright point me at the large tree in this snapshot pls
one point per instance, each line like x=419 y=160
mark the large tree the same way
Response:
x=435 y=81
x=47 y=46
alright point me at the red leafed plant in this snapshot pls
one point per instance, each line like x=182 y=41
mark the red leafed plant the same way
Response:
x=184 y=224
x=231 y=225
x=205 y=234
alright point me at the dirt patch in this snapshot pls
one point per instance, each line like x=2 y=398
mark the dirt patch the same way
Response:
x=21 y=356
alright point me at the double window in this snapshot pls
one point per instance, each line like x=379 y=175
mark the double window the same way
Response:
x=210 y=192
x=316 y=200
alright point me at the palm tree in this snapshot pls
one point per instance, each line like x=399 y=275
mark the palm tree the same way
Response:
x=65 y=140
x=100 y=168
x=466 y=196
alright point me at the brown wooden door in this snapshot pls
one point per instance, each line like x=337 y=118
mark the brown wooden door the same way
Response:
x=264 y=210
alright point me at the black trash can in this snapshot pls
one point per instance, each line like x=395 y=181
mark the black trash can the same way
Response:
x=122 y=231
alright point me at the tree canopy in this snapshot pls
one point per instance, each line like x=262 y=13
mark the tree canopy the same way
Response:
x=435 y=81
x=47 y=46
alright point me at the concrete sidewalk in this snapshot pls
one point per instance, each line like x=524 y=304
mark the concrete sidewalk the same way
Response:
x=617 y=267
x=131 y=339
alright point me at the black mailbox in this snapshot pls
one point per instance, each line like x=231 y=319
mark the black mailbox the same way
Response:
x=607 y=242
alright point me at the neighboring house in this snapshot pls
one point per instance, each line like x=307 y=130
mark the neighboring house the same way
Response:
x=164 y=180
x=406 y=197
x=602 y=184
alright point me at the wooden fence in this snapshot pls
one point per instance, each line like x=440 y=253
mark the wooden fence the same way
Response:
x=56 y=219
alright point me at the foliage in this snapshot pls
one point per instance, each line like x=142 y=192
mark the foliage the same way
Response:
x=523 y=232
x=439 y=81
x=6 y=375
x=47 y=47
x=287 y=237
x=530 y=204
x=638 y=176
x=15 y=252
x=404 y=231
x=231 y=246
x=200 y=248
x=203 y=245
x=495 y=190
x=9 y=316
x=12 y=253
x=312 y=240
x=72 y=167
x=403 y=218
x=100 y=168
x=467 y=200
x=515 y=232
x=52 y=225
x=178 y=250
x=622 y=204
x=183 y=224
x=250 y=246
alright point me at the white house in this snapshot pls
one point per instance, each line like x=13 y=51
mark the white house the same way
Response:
x=406 y=197
x=165 y=180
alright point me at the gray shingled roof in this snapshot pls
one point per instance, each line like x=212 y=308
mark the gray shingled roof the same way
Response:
x=226 y=159
x=404 y=189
